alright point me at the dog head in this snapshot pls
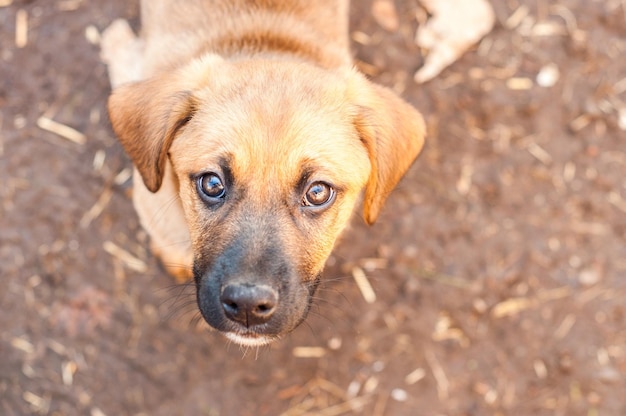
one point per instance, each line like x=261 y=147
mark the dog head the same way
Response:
x=271 y=159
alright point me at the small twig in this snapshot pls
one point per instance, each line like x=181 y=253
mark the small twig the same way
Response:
x=96 y=209
x=127 y=258
x=21 y=28
x=568 y=17
x=364 y=285
x=68 y=5
x=539 y=153
x=516 y=18
x=68 y=369
x=62 y=130
x=617 y=201
x=309 y=352
x=96 y=412
x=124 y=175
x=23 y=345
x=300 y=409
x=443 y=385
x=351 y=405
x=1 y=136
x=415 y=376
x=565 y=326
x=331 y=388
x=514 y=306
x=380 y=405
x=40 y=404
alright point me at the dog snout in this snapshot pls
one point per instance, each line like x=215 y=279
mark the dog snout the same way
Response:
x=249 y=304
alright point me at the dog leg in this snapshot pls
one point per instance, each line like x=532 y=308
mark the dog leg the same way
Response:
x=122 y=52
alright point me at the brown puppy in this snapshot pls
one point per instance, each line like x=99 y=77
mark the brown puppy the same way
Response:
x=252 y=139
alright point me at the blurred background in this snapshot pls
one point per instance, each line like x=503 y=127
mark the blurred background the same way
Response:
x=498 y=265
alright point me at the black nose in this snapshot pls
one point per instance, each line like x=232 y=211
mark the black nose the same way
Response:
x=249 y=304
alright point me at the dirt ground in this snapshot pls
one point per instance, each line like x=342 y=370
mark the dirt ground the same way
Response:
x=498 y=264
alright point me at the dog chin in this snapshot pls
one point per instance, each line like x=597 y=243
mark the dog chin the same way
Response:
x=250 y=339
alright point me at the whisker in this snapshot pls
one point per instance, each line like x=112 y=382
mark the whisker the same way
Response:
x=326 y=302
x=308 y=325
x=179 y=289
x=180 y=310
x=195 y=321
x=244 y=349
x=180 y=299
x=319 y=315
x=339 y=293
x=173 y=244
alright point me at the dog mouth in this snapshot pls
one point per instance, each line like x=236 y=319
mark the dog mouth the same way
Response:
x=250 y=339
x=248 y=307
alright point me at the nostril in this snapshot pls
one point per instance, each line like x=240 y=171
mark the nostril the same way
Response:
x=265 y=308
x=230 y=306
x=249 y=304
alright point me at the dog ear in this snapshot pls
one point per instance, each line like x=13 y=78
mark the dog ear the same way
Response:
x=393 y=133
x=146 y=116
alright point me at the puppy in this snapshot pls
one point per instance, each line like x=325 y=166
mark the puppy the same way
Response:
x=252 y=139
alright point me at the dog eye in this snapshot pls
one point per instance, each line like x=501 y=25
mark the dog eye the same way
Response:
x=318 y=194
x=211 y=188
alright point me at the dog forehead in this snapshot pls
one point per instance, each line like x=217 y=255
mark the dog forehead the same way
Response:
x=270 y=125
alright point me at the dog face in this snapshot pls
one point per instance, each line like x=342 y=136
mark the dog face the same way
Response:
x=270 y=160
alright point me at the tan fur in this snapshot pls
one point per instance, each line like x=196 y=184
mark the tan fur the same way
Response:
x=268 y=87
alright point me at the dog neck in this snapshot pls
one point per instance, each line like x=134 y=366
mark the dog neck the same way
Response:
x=268 y=32
x=280 y=34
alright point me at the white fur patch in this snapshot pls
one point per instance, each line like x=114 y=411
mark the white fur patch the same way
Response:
x=249 y=340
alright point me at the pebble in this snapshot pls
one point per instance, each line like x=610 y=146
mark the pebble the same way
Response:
x=589 y=277
x=609 y=375
x=548 y=76
x=335 y=343
x=399 y=395
x=378 y=366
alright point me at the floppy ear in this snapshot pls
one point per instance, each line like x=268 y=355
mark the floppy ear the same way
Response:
x=393 y=133
x=146 y=116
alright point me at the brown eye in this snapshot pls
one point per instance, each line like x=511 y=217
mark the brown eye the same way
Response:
x=211 y=188
x=318 y=194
